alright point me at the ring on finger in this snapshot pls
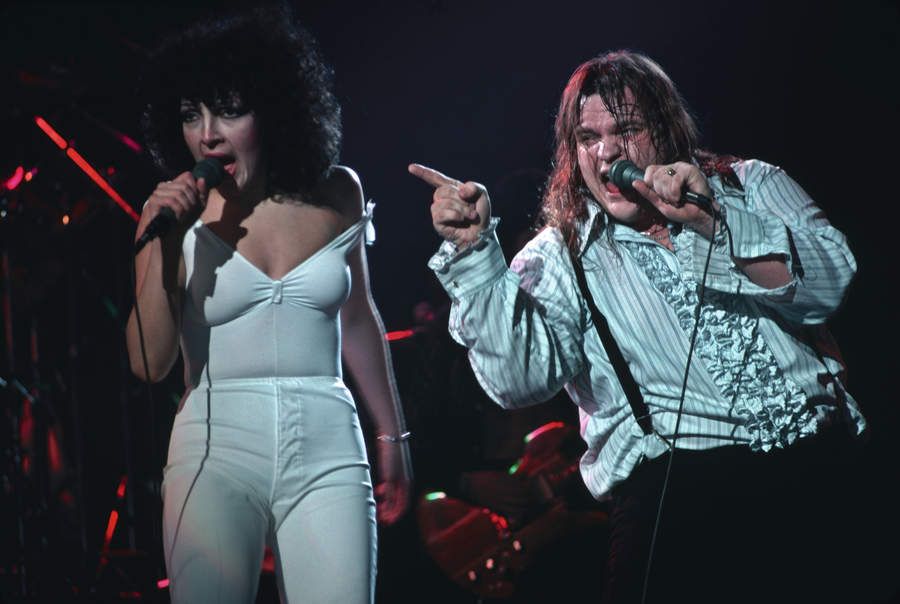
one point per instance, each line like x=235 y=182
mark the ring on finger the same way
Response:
x=670 y=171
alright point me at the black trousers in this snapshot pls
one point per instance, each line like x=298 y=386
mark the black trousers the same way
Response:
x=738 y=526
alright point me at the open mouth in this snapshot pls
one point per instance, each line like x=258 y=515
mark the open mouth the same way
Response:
x=608 y=184
x=228 y=162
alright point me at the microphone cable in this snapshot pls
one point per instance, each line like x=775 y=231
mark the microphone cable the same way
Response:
x=700 y=297
x=154 y=445
x=157 y=528
x=212 y=171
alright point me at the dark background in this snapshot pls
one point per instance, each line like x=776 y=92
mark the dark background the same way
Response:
x=467 y=87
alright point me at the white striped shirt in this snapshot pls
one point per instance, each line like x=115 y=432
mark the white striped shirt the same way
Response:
x=529 y=333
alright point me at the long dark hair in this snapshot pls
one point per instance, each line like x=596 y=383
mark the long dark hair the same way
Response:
x=672 y=129
x=264 y=58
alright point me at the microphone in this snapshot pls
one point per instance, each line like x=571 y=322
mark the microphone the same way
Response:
x=211 y=171
x=623 y=172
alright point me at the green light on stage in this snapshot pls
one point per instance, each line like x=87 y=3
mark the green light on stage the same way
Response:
x=435 y=495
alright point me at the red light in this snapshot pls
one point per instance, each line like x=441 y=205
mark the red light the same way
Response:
x=499 y=522
x=54 y=455
x=545 y=428
x=65 y=219
x=129 y=142
x=162 y=583
x=110 y=528
x=13 y=181
x=49 y=131
x=399 y=335
x=30 y=174
x=120 y=492
x=88 y=169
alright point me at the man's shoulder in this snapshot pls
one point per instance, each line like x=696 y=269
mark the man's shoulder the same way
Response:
x=731 y=170
x=753 y=170
x=546 y=247
x=547 y=240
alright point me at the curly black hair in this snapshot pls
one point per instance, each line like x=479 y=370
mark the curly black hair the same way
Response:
x=272 y=64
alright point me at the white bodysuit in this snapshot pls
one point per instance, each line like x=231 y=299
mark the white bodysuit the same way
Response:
x=267 y=446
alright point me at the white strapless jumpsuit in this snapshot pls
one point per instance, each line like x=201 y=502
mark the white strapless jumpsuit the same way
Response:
x=266 y=447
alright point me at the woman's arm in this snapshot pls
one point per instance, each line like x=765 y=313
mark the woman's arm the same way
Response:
x=367 y=357
x=366 y=353
x=159 y=280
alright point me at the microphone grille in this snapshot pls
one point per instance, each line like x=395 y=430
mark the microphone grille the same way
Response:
x=622 y=172
x=616 y=169
x=211 y=170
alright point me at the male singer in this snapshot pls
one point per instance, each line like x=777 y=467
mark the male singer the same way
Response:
x=713 y=409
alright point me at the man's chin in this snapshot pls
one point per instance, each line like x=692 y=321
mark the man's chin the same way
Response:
x=628 y=211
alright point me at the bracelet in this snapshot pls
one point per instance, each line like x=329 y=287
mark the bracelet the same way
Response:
x=394 y=439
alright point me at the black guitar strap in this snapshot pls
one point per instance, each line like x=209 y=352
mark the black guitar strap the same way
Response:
x=632 y=392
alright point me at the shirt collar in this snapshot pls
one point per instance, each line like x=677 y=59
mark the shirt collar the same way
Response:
x=587 y=226
x=595 y=214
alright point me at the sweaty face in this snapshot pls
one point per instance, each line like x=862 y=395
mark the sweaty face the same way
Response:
x=601 y=141
x=230 y=134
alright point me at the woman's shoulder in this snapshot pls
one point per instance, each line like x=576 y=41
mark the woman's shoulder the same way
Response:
x=341 y=189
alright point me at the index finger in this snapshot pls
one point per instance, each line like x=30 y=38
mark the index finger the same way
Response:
x=202 y=190
x=432 y=176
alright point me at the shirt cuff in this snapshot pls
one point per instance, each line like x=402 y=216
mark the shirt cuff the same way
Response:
x=462 y=272
x=449 y=252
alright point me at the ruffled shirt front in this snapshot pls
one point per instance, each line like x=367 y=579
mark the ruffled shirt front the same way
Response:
x=733 y=351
